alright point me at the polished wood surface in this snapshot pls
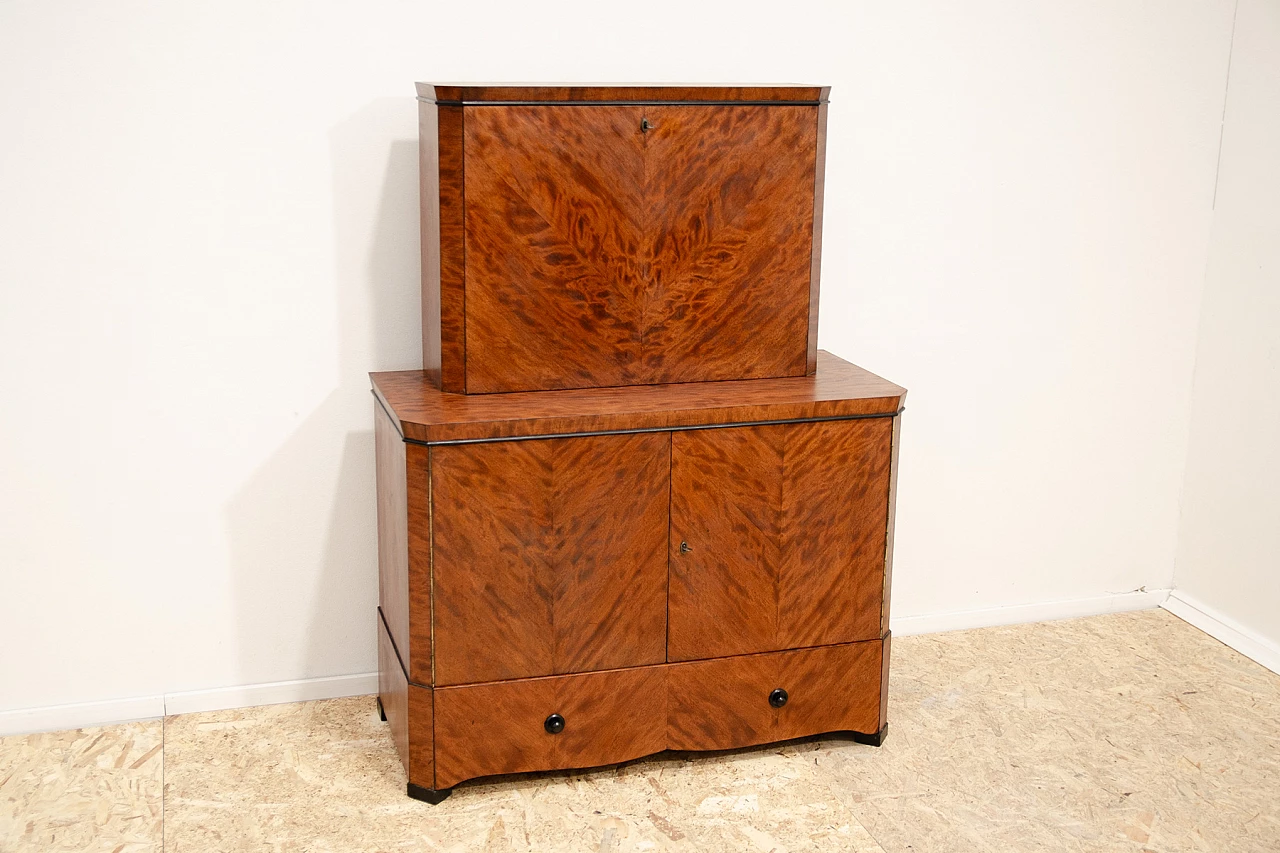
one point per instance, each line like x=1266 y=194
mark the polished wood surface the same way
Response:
x=727 y=251
x=787 y=549
x=417 y=659
x=393 y=525
x=588 y=92
x=490 y=729
x=724 y=703
x=599 y=254
x=555 y=223
x=422 y=733
x=429 y=218
x=393 y=692
x=451 y=284
x=550 y=556
x=892 y=512
x=838 y=389
x=820 y=170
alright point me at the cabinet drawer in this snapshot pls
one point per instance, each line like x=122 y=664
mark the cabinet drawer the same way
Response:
x=490 y=729
x=725 y=703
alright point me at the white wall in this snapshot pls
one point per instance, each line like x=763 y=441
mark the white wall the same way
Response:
x=210 y=236
x=1228 y=559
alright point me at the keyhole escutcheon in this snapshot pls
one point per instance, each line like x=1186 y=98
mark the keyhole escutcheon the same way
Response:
x=684 y=548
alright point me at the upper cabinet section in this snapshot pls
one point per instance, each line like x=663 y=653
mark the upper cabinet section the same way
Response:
x=579 y=237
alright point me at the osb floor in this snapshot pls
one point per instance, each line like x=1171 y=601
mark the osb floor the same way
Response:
x=1132 y=732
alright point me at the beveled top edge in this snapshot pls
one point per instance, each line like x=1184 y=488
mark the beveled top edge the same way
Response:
x=516 y=93
x=838 y=389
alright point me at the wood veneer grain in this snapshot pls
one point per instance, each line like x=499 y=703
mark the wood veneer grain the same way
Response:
x=418 y=513
x=393 y=692
x=491 y=729
x=550 y=556
x=451 y=346
x=838 y=389
x=729 y=193
x=393 y=525
x=554 y=224
x=422 y=734
x=785 y=526
x=724 y=703
x=820 y=172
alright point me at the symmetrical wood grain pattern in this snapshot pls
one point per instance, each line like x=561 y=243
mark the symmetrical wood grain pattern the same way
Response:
x=393 y=692
x=572 y=241
x=550 y=556
x=598 y=254
x=417 y=658
x=597 y=92
x=490 y=729
x=838 y=389
x=393 y=525
x=724 y=703
x=729 y=193
x=786 y=529
x=554 y=224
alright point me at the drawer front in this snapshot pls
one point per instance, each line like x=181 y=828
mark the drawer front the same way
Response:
x=778 y=536
x=725 y=703
x=491 y=729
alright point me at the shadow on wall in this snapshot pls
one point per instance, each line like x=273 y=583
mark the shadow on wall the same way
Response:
x=302 y=530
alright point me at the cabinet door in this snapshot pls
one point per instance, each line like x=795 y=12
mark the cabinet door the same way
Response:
x=729 y=255
x=554 y=224
x=549 y=556
x=777 y=536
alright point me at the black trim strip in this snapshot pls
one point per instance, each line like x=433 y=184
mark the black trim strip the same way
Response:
x=382 y=617
x=643 y=103
x=651 y=429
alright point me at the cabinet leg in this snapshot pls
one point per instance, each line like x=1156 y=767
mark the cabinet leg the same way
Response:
x=874 y=739
x=382 y=712
x=429 y=795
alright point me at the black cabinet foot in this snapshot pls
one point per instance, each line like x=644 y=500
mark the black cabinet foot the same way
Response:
x=429 y=795
x=872 y=739
x=382 y=712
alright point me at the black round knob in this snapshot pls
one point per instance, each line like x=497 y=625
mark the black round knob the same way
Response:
x=778 y=698
x=555 y=724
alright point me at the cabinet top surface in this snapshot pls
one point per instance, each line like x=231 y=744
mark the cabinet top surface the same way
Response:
x=520 y=93
x=838 y=389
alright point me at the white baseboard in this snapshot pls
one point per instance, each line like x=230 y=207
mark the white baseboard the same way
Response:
x=149 y=707
x=85 y=714
x=1246 y=641
x=961 y=620
x=80 y=715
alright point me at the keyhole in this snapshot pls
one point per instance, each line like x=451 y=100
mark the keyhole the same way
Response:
x=645 y=126
x=684 y=548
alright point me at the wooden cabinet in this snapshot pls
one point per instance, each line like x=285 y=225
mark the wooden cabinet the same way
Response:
x=605 y=236
x=649 y=565
x=626 y=506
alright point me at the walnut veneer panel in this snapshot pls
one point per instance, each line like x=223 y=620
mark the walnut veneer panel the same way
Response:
x=393 y=526
x=550 y=556
x=785 y=526
x=724 y=703
x=728 y=250
x=837 y=389
x=490 y=729
x=570 y=92
x=555 y=219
